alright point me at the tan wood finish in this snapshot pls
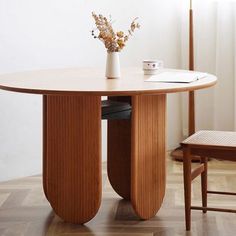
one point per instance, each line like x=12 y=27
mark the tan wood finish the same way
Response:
x=220 y=192
x=25 y=211
x=72 y=142
x=178 y=153
x=216 y=144
x=89 y=81
x=191 y=121
x=45 y=145
x=198 y=170
x=191 y=40
x=119 y=153
x=187 y=186
x=73 y=156
x=205 y=209
x=204 y=184
x=148 y=170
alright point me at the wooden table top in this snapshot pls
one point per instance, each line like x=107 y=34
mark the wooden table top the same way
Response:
x=90 y=81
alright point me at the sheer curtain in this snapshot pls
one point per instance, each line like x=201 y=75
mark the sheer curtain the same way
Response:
x=215 y=52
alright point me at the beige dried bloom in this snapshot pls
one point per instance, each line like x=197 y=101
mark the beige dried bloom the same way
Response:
x=120 y=34
x=114 y=42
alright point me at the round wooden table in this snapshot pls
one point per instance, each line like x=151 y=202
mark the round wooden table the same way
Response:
x=72 y=137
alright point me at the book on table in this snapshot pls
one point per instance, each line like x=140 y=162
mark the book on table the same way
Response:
x=176 y=77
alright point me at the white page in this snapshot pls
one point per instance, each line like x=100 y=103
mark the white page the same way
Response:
x=176 y=77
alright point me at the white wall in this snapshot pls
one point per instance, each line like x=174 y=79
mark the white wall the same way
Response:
x=56 y=33
x=215 y=52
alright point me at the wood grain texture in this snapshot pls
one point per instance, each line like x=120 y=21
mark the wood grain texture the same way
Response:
x=178 y=153
x=191 y=40
x=191 y=113
x=74 y=156
x=148 y=168
x=91 y=81
x=204 y=183
x=187 y=186
x=31 y=214
x=119 y=153
x=216 y=144
x=45 y=183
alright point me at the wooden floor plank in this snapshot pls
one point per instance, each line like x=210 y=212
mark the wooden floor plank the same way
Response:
x=34 y=216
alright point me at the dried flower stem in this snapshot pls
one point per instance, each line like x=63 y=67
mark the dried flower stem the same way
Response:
x=113 y=41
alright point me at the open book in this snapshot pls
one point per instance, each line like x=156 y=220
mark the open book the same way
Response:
x=177 y=77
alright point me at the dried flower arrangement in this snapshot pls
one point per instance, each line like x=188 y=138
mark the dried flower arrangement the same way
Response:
x=113 y=41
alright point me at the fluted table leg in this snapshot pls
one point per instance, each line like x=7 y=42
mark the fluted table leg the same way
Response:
x=119 y=153
x=148 y=164
x=72 y=156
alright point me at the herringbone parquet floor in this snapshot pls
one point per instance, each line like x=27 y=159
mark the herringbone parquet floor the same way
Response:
x=24 y=211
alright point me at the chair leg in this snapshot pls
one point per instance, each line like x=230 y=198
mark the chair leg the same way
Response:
x=187 y=186
x=204 y=183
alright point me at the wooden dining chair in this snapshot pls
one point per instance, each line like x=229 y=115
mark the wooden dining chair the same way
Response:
x=214 y=144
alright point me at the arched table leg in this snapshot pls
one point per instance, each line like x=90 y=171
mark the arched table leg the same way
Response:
x=148 y=168
x=119 y=153
x=45 y=182
x=73 y=156
x=118 y=161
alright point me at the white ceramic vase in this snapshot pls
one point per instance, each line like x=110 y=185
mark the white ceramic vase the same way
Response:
x=113 y=65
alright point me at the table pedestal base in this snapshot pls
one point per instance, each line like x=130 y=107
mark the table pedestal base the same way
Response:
x=119 y=153
x=72 y=155
x=148 y=150
x=136 y=154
